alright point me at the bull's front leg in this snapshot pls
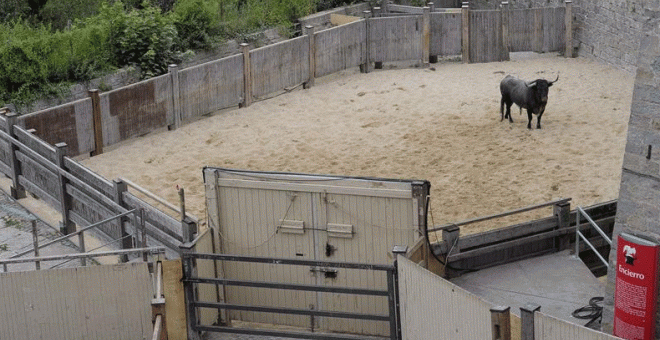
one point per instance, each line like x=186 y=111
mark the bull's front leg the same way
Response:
x=538 y=119
x=529 y=117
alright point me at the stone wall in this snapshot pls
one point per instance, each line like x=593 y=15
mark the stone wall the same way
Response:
x=610 y=30
x=638 y=210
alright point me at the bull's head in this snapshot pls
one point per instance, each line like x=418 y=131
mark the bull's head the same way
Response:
x=540 y=88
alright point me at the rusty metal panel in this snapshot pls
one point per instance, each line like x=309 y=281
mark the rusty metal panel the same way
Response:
x=434 y=308
x=547 y=327
x=446 y=32
x=211 y=86
x=279 y=66
x=395 y=38
x=70 y=123
x=135 y=110
x=340 y=48
x=100 y=302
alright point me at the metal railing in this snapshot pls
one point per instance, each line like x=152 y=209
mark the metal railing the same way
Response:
x=578 y=235
x=84 y=255
x=193 y=304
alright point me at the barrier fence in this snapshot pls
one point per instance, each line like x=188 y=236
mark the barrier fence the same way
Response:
x=417 y=34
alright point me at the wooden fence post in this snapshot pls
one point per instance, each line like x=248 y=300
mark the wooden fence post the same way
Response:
x=309 y=31
x=35 y=242
x=527 y=320
x=500 y=318
x=247 y=76
x=504 y=47
x=17 y=190
x=98 y=123
x=431 y=6
x=377 y=12
x=120 y=188
x=384 y=6
x=568 y=23
x=426 y=35
x=67 y=226
x=465 y=11
x=175 y=122
x=366 y=67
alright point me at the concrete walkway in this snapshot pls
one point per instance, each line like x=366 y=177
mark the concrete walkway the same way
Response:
x=559 y=283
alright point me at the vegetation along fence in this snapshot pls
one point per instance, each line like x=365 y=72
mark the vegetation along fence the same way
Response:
x=393 y=33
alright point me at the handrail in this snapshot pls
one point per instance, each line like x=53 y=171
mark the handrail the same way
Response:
x=151 y=250
x=156 y=198
x=73 y=233
x=578 y=235
x=511 y=212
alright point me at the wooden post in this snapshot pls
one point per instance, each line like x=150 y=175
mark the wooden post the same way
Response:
x=35 y=242
x=384 y=6
x=98 y=123
x=17 y=190
x=66 y=226
x=431 y=6
x=366 y=67
x=309 y=31
x=504 y=47
x=568 y=23
x=189 y=271
x=247 y=76
x=465 y=11
x=175 y=121
x=563 y=213
x=377 y=12
x=426 y=35
x=538 y=30
x=158 y=304
x=500 y=318
x=527 y=320
x=188 y=226
x=126 y=242
x=451 y=236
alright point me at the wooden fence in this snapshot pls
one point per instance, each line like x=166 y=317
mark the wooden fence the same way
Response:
x=394 y=33
x=81 y=196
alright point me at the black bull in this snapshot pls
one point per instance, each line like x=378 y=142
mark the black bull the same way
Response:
x=532 y=96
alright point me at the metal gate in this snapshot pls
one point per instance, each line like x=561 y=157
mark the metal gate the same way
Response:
x=390 y=296
x=312 y=218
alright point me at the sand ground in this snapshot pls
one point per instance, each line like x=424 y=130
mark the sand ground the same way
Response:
x=440 y=124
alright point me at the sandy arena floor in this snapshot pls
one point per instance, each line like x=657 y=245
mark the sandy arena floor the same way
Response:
x=441 y=124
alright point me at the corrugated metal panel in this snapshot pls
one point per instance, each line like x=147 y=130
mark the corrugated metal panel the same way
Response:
x=380 y=214
x=102 y=302
x=434 y=308
x=340 y=48
x=395 y=38
x=206 y=292
x=211 y=86
x=547 y=327
x=279 y=66
x=446 y=34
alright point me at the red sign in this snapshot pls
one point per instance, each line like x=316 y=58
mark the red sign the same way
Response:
x=636 y=288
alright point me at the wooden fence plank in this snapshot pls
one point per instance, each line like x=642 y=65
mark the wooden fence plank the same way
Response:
x=88 y=176
x=171 y=226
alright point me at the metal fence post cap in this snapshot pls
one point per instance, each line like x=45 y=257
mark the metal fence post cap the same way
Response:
x=530 y=307
x=400 y=250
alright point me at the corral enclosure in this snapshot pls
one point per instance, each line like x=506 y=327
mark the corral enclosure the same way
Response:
x=441 y=124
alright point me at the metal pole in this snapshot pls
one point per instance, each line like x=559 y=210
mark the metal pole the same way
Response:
x=143 y=228
x=577 y=233
x=35 y=240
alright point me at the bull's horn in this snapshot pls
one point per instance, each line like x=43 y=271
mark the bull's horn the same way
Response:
x=531 y=84
x=552 y=82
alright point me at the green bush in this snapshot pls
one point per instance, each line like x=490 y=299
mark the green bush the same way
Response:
x=143 y=38
x=197 y=24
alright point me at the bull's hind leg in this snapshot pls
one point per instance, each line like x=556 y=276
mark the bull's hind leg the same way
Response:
x=508 y=111
x=502 y=108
